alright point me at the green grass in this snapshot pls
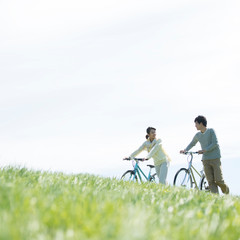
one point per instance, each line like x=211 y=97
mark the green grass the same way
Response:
x=44 y=205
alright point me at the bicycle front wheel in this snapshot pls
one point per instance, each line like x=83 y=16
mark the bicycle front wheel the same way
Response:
x=129 y=176
x=204 y=184
x=183 y=178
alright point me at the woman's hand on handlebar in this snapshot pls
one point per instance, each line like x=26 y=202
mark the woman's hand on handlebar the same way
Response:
x=138 y=159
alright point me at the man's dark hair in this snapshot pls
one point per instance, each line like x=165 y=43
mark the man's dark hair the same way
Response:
x=201 y=119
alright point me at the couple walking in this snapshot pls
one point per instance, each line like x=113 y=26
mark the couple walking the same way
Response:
x=210 y=151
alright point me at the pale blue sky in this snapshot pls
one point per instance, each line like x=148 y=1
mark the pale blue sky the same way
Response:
x=81 y=81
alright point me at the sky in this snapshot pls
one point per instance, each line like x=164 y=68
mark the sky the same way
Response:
x=80 y=81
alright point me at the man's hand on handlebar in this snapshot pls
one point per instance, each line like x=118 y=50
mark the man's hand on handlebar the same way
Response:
x=183 y=151
x=201 y=151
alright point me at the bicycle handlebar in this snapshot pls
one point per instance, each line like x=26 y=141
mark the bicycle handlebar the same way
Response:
x=136 y=159
x=186 y=153
x=142 y=159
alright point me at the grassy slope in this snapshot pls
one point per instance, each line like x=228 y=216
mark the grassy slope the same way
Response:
x=42 y=205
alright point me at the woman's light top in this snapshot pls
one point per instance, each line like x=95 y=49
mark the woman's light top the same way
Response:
x=155 y=151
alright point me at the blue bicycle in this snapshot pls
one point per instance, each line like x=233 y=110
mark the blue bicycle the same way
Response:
x=136 y=173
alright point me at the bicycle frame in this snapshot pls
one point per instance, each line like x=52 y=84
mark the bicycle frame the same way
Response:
x=191 y=168
x=138 y=171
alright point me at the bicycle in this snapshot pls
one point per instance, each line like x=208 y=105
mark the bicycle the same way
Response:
x=185 y=176
x=135 y=174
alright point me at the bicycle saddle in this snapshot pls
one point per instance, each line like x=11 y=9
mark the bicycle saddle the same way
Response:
x=151 y=166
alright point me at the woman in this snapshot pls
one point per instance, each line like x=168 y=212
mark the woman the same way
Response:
x=155 y=151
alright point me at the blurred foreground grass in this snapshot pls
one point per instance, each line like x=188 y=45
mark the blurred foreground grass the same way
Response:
x=44 y=205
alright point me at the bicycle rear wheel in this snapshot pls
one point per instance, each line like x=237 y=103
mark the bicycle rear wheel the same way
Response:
x=183 y=178
x=204 y=184
x=129 y=176
x=153 y=178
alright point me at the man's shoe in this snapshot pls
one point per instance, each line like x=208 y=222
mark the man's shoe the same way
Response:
x=227 y=190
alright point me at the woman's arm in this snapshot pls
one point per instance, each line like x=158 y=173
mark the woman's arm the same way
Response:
x=155 y=148
x=140 y=149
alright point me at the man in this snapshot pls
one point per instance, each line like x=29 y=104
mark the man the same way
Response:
x=211 y=155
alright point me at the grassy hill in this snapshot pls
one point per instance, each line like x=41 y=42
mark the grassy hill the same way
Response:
x=44 y=205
